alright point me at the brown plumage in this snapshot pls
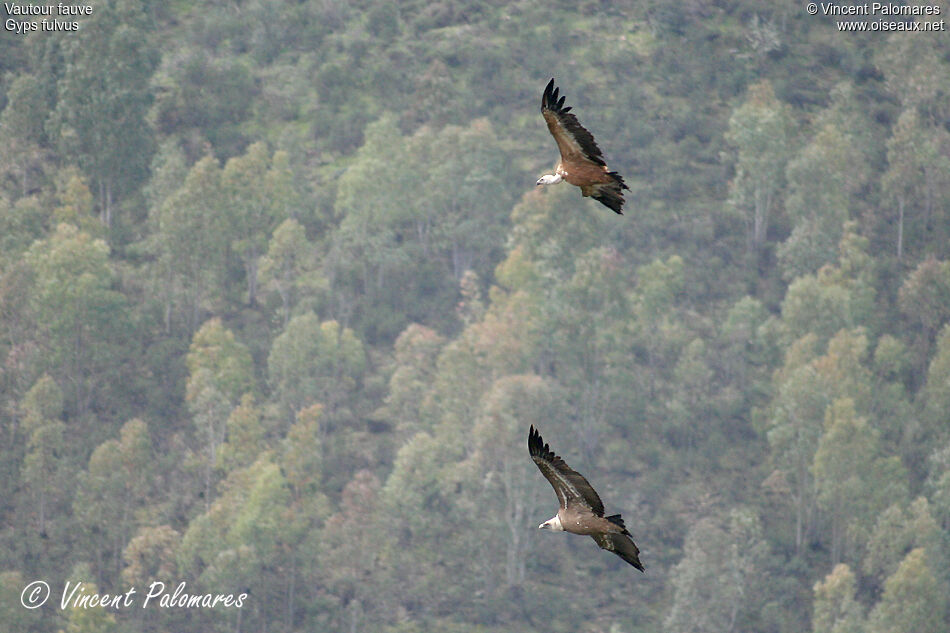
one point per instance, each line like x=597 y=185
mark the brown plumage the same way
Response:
x=582 y=163
x=581 y=511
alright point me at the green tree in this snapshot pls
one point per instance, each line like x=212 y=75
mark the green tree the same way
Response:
x=510 y=490
x=228 y=361
x=746 y=350
x=911 y=72
x=150 y=555
x=12 y=614
x=258 y=193
x=350 y=554
x=189 y=244
x=822 y=178
x=934 y=395
x=938 y=483
x=721 y=562
x=205 y=94
x=837 y=297
x=835 y=609
x=245 y=541
x=84 y=619
x=220 y=373
x=914 y=601
x=302 y=463
x=102 y=100
x=302 y=454
x=22 y=154
x=855 y=482
x=210 y=410
x=758 y=129
x=43 y=471
x=406 y=251
x=899 y=530
x=289 y=266
x=366 y=256
x=111 y=493
x=75 y=202
x=84 y=322
x=794 y=428
x=924 y=299
x=245 y=436
x=586 y=316
x=916 y=178
x=168 y=171
x=313 y=362
x=414 y=354
x=462 y=218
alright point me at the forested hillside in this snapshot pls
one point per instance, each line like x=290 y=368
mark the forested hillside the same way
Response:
x=279 y=300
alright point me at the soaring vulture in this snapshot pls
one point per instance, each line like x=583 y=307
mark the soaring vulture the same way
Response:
x=581 y=164
x=581 y=511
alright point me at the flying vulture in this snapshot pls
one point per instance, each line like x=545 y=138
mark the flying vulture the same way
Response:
x=581 y=164
x=581 y=511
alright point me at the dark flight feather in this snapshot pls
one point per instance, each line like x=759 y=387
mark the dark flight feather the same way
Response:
x=550 y=102
x=557 y=472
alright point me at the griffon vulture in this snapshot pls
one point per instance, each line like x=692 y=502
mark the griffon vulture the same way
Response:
x=581 y=511
x=581 y=164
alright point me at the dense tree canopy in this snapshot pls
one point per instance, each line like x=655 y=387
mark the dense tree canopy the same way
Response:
x=279 y=300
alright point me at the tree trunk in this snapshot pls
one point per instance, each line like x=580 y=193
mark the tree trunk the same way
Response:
x=251 y=268
x=900 y=228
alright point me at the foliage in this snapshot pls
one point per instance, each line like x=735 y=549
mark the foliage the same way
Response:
x=279 y=300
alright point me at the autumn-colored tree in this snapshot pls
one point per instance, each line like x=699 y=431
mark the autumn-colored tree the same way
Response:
x=351 y=555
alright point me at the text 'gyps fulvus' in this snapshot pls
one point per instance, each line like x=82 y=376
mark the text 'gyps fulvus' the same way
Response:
x=581 y=164
x=581 y=511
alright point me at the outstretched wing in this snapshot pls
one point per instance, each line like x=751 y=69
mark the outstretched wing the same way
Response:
x=573 y=140
x=621 y=545
x=609 y=194
x=570 y=486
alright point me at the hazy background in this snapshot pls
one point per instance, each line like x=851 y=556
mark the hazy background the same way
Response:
x=279 y=300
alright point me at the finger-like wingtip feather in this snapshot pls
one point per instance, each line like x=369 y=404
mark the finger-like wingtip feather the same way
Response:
x=561 y=121
x=546 y=96
x=536 y=446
